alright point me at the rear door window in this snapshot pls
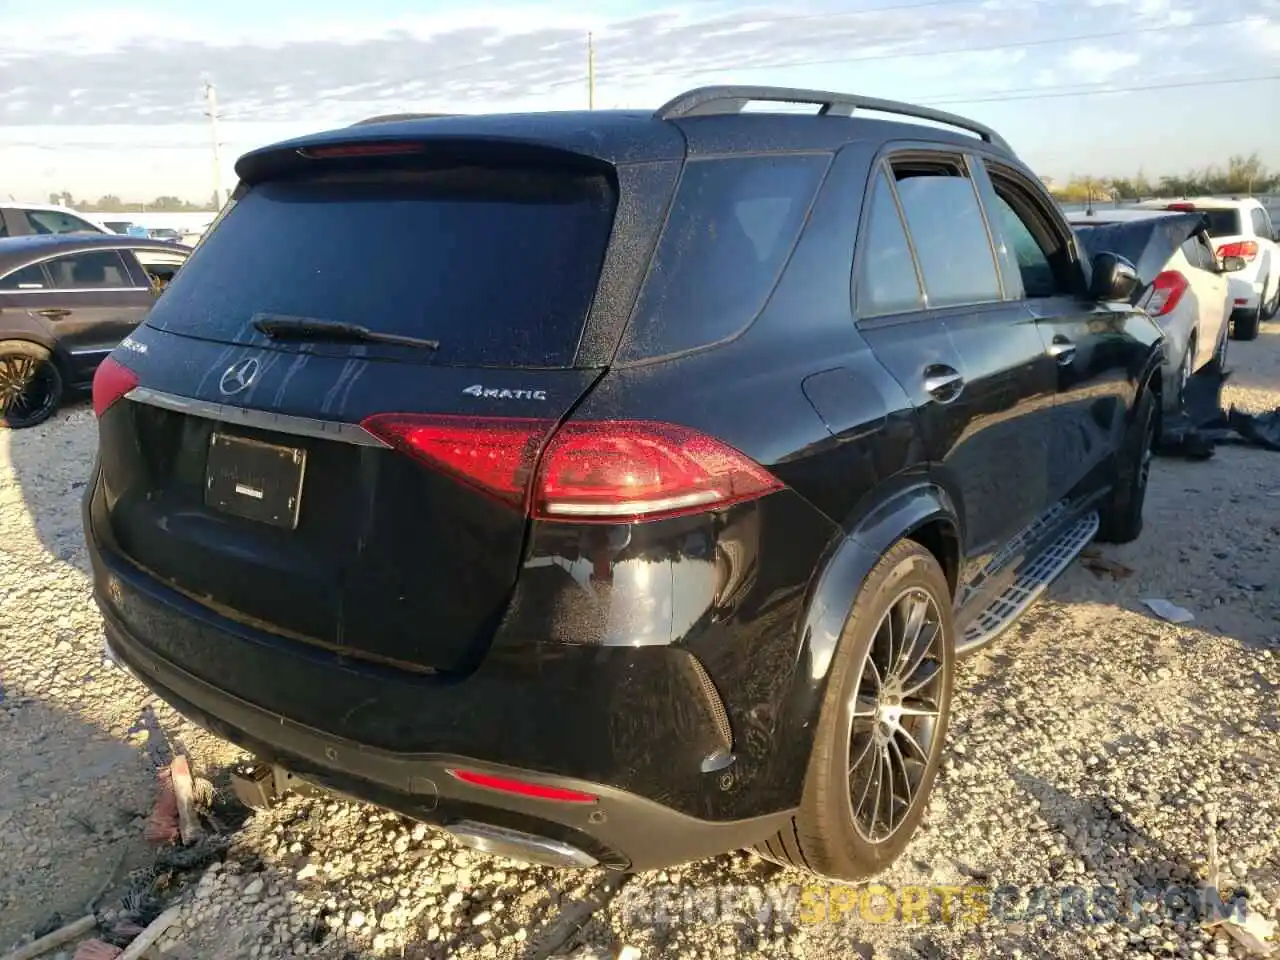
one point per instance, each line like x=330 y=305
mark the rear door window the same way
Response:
x=887 y=280
x=1191 y=250
x=731 y=229
x=499 y=265
x=95 y=269
x=28 y=278
x=1261 y=223
x=947 y=229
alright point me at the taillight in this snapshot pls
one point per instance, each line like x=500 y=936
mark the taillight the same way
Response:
x=1166 y=290
x=111 y=381
x=1245 y=249
x=495 y=456
x=1180 y=206
x=521 y=788
x=610 y=471
x=639 y=470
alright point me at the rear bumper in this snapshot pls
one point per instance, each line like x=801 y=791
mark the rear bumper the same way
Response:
x=1245 y=290
x=638 y=728
x=620 y=830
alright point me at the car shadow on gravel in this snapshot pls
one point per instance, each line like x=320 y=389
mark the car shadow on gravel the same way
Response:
x=74 y=798
x=51 y=465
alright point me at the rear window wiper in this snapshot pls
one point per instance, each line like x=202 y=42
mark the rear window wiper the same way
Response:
x=303 y=328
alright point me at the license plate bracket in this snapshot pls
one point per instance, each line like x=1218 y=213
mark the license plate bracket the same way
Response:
x=254 y=480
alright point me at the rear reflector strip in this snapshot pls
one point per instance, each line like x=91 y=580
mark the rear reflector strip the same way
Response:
x=521 y=788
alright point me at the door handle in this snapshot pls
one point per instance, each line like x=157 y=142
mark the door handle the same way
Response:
x=943 y=383
x=54 y=314
x=1062 y=350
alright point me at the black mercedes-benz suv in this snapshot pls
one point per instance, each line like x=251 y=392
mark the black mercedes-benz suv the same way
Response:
x=612 y=487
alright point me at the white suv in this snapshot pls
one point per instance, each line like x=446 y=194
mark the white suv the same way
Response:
x=1241 y=228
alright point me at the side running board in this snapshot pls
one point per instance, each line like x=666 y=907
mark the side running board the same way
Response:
x=1032 y=580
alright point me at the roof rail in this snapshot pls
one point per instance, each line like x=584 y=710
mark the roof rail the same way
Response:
x=719 y=100
x=393 y=117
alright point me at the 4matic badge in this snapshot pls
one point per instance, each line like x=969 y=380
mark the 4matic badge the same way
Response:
x=502 y=393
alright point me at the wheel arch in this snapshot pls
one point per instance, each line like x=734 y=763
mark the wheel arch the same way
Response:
x=921 y=511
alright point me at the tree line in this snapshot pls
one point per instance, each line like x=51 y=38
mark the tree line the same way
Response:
x=110 y=203
x=1241 y=175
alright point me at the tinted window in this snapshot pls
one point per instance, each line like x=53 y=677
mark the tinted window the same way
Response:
x=949 y=234
x=731 y=228
x=887 y=281
x=499 y=265
x=1021 y=251
x=1199 y=253
x=98 y=268
x=28 y=278
x=1223 y=223
x=55 y=221
x=1261 y=223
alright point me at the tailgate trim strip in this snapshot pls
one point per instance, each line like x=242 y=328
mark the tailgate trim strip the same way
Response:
x=258 y=419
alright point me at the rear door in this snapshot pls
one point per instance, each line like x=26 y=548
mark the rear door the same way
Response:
x=94 y=302
x=972 y=363
x=240 y=472
x=1209 y=284
x=1091 y=344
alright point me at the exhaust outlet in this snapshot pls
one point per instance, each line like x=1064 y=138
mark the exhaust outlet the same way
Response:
x=516 y=845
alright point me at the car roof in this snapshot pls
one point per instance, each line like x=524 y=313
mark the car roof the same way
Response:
x=15 y=250
x=23 y=205
x=707 y=120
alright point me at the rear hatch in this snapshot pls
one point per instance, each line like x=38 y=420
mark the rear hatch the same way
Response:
x=238 y=472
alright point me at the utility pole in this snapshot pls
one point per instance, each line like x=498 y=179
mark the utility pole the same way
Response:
x=211 y=102
x=591 y=72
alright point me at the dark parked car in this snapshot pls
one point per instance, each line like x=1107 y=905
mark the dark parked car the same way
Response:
x=66 y=301
x=616 y=488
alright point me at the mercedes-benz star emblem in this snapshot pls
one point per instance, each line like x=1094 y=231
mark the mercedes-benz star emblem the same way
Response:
x=238 y=376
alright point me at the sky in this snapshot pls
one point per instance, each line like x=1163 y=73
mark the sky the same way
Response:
x=101 y=97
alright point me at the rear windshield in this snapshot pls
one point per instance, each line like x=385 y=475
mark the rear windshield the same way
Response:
x=499 y=266
x=1222 y=223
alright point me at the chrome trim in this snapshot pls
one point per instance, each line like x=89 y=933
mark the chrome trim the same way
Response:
x=258 y=419
x=516 y=845
x=76 y=289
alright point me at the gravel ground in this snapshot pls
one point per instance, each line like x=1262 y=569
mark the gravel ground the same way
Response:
x=1090 y=746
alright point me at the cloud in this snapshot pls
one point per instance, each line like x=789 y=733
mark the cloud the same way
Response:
x=148 y=70
x=1098 y=64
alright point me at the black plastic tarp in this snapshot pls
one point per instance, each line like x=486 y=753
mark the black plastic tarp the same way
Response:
x=1147 y=243
x=1202 y=424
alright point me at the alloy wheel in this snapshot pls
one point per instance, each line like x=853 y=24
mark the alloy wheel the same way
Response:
x=896 y=713
x=28 y=389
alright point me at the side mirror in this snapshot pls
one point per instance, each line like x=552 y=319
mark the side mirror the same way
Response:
x=1114 y=279
x=1233 y=264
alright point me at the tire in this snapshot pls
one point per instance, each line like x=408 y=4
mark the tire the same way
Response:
x=1245 y=326
x=31 y=384
x=1220 y=352
x=824 y=837
x=1120 y=519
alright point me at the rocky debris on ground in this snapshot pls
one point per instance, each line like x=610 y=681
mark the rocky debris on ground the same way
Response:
x=1086 y=746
